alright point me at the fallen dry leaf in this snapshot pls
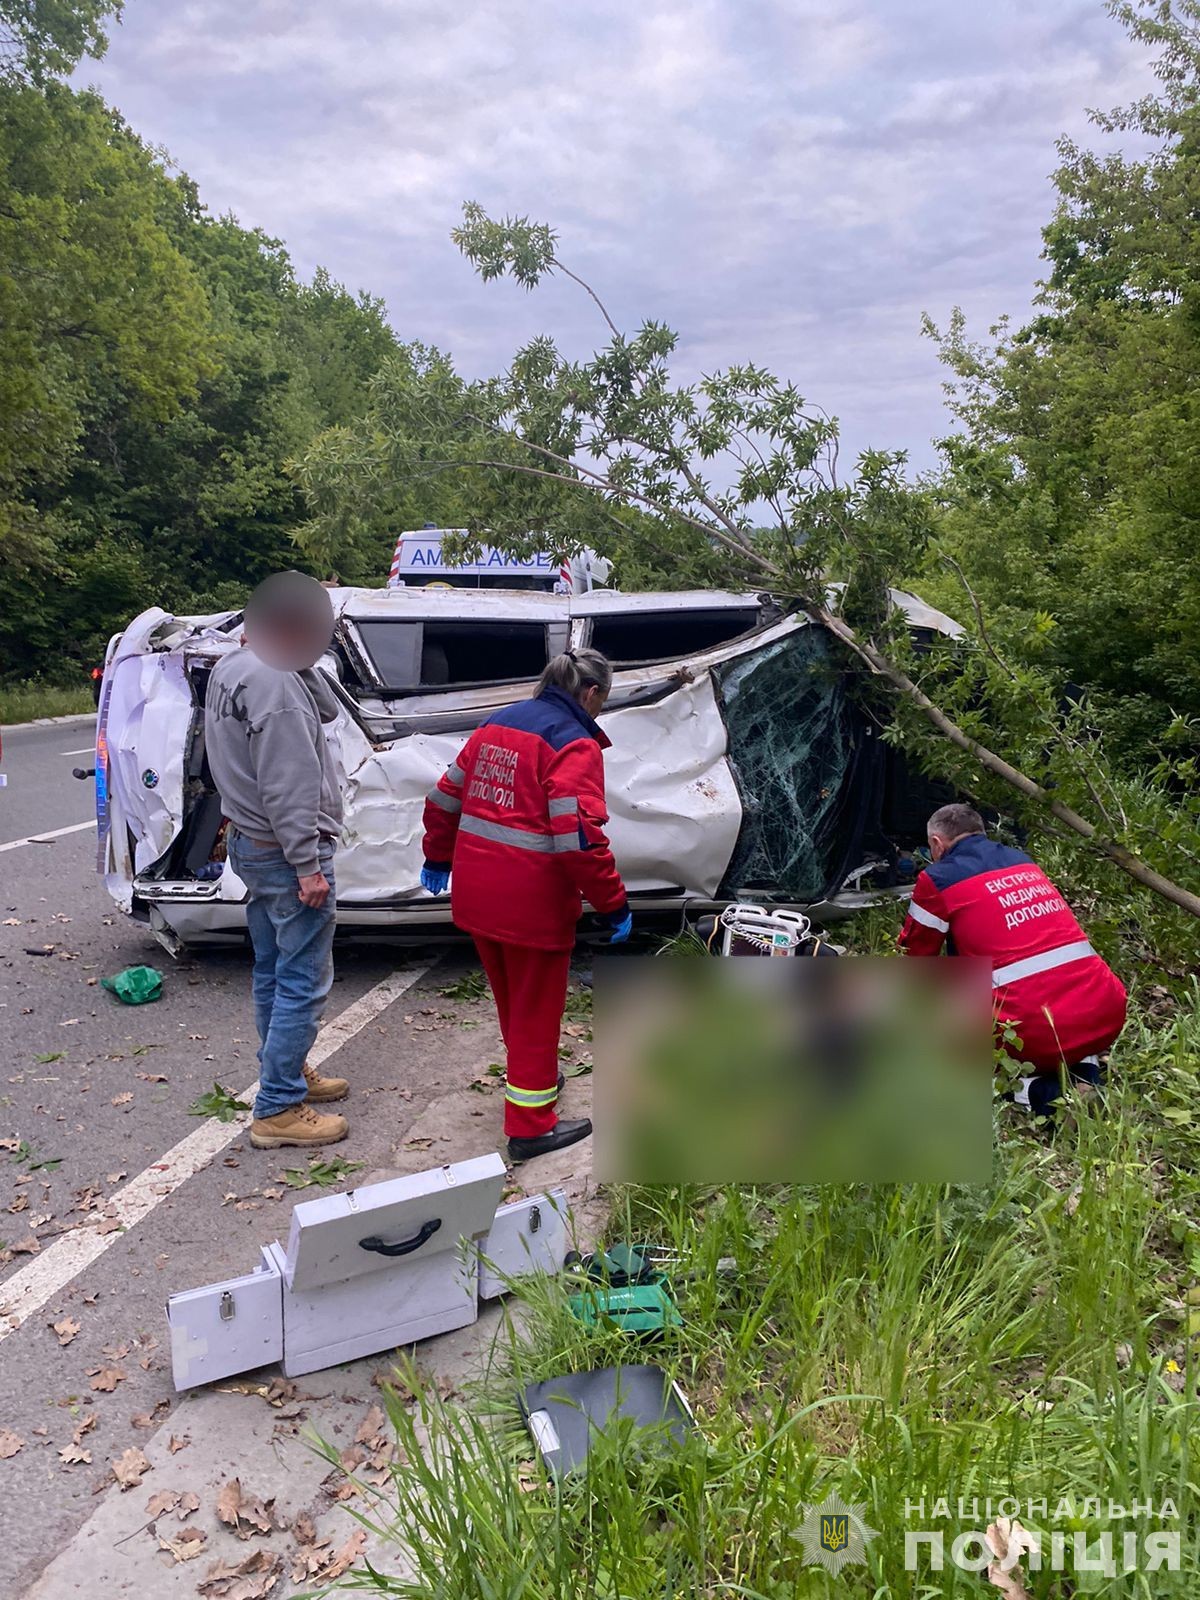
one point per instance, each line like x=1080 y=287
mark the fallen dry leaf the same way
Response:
x=418 y=1144
x=245 y=1514
x=21 y=1203
x=308 y=1560
x=162 y=1502
x=345 y=1557
x=105 y=1379
x=251 y=1579
x=66 y=1329
x=228 y=1501
x=175 y=1445
x=123 y=1099
x=24 y=1247
x=10 y=1443
x=188 y=1502
x=84 y=1425
x=74 y=1455
x=129 y=1468
x=1008 y=1541
x=379 y=1470
x=305 y=1528
x=150 y=1419
x=186 y=1545
x=371 y=1426
x=153 y=1077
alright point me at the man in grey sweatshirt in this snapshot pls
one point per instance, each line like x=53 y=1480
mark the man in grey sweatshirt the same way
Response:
x=271 y=760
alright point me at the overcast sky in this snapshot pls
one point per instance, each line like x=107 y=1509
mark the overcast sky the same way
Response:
x=786 y=181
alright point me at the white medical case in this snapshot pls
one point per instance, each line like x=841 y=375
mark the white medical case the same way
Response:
x=527 y=1236
x=345 y=1236
x=227 y=1327
x=369 y=1270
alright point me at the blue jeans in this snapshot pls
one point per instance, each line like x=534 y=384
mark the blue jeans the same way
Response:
x=293 y=967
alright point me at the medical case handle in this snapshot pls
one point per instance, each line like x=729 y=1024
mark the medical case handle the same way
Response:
x=406 y=1246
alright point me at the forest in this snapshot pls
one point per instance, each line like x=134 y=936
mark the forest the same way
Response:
x=177 y=406
x=182 y=413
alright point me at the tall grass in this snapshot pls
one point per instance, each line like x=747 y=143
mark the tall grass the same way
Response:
x=22 y=702
x=895 y=1344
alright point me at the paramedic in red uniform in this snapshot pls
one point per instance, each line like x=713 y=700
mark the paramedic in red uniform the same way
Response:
x=520 y=817
x=981 y=898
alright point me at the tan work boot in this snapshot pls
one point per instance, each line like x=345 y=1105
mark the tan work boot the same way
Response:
x=322 y=1090
x=297 y=1125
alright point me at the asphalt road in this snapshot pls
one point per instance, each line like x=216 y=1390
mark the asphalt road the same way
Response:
x=94 y=1093
x=41 y=793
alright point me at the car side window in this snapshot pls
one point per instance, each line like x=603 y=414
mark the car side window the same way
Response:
x=634 y=637
x=410 y=656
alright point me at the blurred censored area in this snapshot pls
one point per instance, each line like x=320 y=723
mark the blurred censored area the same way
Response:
x=861 y=1070
x=289 y=621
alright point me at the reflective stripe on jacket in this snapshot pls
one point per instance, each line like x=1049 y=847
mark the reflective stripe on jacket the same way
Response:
x=985 y=899
x=519 y=818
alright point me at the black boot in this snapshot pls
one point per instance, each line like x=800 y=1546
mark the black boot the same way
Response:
x=562 y=1082
x=559 y=1137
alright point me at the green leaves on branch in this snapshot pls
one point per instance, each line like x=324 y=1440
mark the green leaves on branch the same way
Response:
x=44 y=39
x=733 y=477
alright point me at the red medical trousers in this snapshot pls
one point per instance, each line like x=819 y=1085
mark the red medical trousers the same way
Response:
x=530 y=988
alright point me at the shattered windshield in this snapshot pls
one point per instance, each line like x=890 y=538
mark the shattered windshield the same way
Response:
x=790 y=747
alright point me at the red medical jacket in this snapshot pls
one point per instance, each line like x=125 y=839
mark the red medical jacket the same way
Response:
x=519 y=819
x=985 y=899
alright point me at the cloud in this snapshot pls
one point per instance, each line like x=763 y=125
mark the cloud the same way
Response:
x=791 y=181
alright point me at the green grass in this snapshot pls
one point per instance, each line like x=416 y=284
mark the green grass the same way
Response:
x=22 y=702
x=891 y=1343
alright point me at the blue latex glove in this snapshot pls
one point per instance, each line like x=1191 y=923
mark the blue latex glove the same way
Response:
x=435 y=879
x=621 y=923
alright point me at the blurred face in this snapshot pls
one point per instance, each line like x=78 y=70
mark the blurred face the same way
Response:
x=289 y=621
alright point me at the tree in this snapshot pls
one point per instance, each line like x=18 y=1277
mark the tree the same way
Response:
x=96 y=301
x=160 y=367
x=1072 y=490
x=557 y=451
x=44 y=39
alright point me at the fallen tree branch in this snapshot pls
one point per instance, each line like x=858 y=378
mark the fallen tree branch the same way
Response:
x=880 y=665
x=999 y=768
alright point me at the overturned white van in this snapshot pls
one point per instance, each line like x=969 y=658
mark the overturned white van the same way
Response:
x=739 y=767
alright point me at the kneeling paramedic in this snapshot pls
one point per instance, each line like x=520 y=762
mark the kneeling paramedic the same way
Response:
x=1062 y=1002
x=520 y=818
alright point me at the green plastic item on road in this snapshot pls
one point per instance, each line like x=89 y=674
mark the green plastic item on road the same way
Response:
x=136 y=985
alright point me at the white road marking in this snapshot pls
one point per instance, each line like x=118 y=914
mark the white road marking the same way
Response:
x=27 y=1291
x=45 y=838
x=88 y=750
